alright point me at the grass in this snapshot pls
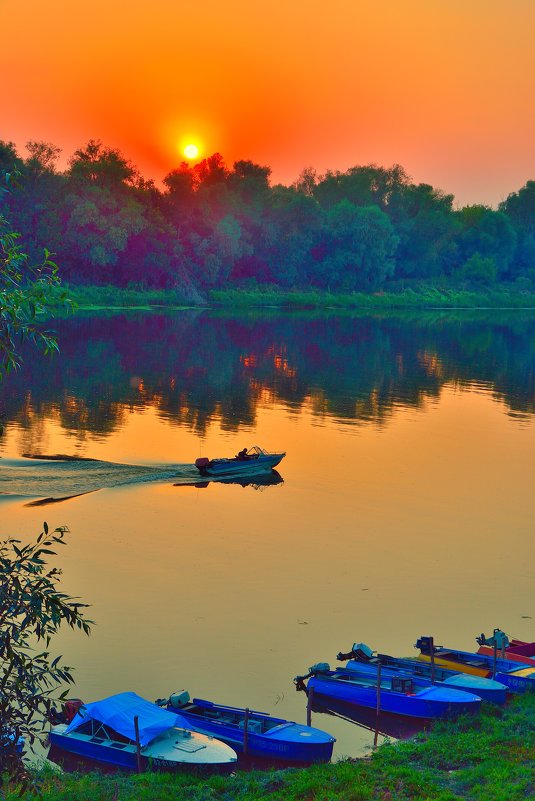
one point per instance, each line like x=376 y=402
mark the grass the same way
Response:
x=487 y=758
x=96 y=298
x=422 y=297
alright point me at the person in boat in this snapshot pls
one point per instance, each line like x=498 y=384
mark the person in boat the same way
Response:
x=242 y=455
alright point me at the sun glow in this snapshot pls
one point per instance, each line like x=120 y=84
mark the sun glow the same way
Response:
x=191 y=151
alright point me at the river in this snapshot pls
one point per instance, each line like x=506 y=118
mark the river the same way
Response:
x=405 y=504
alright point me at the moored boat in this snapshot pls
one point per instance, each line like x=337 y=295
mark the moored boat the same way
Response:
x=396 y=695
x=246 y=462
x=105 y=731
x=361 y=657
x=256 y=734
x=516 y=678
x=511 y=649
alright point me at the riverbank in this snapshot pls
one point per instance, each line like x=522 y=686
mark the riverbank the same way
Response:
x=490 y=757
x=112 y=297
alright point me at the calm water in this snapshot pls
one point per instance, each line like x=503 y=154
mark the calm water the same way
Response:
x=407 y=504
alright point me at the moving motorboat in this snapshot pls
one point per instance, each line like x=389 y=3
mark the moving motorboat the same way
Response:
x=246 y=462
x=126 y=731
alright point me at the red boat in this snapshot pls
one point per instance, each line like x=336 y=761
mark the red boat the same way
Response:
x=514 y=650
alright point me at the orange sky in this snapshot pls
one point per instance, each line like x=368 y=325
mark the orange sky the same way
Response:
x=444 y=87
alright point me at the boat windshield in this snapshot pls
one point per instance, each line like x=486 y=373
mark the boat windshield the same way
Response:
x=255 y=451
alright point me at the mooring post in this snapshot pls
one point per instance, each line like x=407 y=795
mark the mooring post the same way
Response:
x=494 y=655
x=138 y=744
x=378 y=706
x=309 y=705
x=432 y=654
x=246 y=731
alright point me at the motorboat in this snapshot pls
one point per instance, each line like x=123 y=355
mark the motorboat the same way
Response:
x=255 y=734
x=405 y=696
x=361 y=657
x=126 y=731
x=516 y=678
x=246 y=462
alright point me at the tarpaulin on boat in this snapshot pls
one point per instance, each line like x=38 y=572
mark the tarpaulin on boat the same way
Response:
x=118 y=712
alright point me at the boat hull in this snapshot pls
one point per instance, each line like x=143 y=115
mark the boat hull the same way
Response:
x=158 y=756
x=285 y=742
x=487 y=689
x=428 y=703
x=515 y=678
x=523 y=657
x=245 y=467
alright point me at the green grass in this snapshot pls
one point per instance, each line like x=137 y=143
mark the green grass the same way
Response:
x=114 y=297
x=423 y=297
x=96 y=298
x=487 y=758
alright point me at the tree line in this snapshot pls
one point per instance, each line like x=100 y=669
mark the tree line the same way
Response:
x=212 y=226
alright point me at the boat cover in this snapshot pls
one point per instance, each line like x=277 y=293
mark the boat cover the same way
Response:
x=118 y=712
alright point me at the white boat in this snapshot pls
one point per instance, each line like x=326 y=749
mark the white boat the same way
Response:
x=105 y=731
x=246 y=462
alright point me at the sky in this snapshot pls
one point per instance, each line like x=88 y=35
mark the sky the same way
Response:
x=446 y=88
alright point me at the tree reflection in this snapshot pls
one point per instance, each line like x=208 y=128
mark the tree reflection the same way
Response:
x=193 y=368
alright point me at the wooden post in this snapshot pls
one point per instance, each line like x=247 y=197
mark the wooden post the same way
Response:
x=494 y=655
x=138 y=744
x=378 y=706
x=432 y=656
x=246 y=731
x=309 y=705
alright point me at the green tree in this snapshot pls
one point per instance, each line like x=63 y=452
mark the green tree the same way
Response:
x=360 y=248
x=32 y=610
x=26 y=291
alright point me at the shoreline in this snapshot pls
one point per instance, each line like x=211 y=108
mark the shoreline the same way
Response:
x=111 y=298
x=486 y=757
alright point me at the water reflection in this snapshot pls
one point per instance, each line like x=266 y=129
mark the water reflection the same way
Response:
x=384 y=723
x=257 y=482
x=193 y=368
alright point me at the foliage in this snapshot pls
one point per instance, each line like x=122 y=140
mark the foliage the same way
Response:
x=32 y=609
x=26 y=291
x=215 y=227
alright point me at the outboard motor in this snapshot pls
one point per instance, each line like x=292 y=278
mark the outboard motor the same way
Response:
x=180 y=699
x=498 y=639
x=319 y=667
x=202 y=462
x=426 y=645
x=360 y=651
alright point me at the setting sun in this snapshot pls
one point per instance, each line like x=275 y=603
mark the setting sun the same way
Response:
x=191 y=151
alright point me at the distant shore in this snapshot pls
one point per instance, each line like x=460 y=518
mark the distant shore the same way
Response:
x=488 y=757
x=421 y=297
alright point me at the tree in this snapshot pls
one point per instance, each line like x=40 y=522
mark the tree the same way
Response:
x=26 y=290
x=360 y=244
x=32 y=610
x=101 y=165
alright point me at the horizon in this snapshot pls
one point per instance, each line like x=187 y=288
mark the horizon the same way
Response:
x=284 y=89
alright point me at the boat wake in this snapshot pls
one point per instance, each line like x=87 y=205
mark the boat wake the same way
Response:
x=50 y=479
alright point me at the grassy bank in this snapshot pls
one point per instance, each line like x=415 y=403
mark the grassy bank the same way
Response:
x=487 y=758
x=112 y=297
x=408 y=298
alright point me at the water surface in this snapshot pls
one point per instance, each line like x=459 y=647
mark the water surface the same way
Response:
x=406 y=504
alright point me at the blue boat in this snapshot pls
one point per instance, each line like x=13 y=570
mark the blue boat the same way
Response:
x=246 y=462
x=516 y=678
x=397 y=695
x=263 y=736
x=361 y=657
x=105 y=732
